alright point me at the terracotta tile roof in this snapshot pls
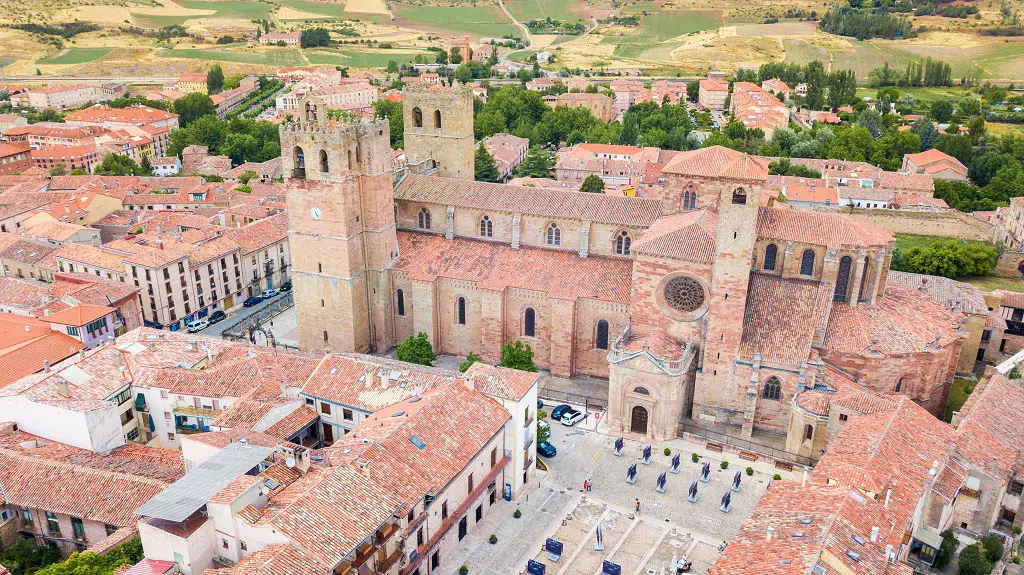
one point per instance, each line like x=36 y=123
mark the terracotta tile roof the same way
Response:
x=274 y=560
x=822 y=229
x=226 y=437
x=782 y=315
x=991 y=432
x=787 y=508
x=958 y=296
x=151 y=567
x=900 y=181
x=260 y=234
x=293 y=422
x=814 y=401
x=949 y=480
x=79 y=315
x=1014 y=299
x=130 y=115
x=25 y=251
x=562 y=274
x=27 y=357
x=92 y=256
x=368 y=383
x=21 y=294
x=935 y=160
x=904 y=199
x=231 y=491
x=718 y=162
x=150 y=256
x=853 y=395
x=619 y=210
x=659 y=344
x=235 y=374
x=714 y=85
x=687 y=235
x=901 y=322
x=502 y=382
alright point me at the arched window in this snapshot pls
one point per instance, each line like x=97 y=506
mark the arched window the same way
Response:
x=899 y=385
x=772 y=389
x=689 y=200
x=417 y=118
x=462 y=311
x=300 y=158
x=486 y=227
x=770 y=253
x=739 y=196
x=602 y=334
x=323 y=161
x=437 y=119
x=554 y=235
x=863 y=279
x=351 y=161
x=807 y=263
x=809 y=432
x=623 y=243
x=641 y=390
x=325 y=336
x=529 y=322
x=423 y=219
x=843 y=279
x=400 y=296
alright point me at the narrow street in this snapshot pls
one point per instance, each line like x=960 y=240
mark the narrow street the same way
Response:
x=236 y=315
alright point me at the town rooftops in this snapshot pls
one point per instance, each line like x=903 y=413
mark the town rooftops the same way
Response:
x=958 y=296
x=822 y=229
x=501 y=381
x=686 y=235
x=718 y=162
x=79 y=315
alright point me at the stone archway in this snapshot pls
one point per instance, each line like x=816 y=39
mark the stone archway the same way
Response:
x=638 y=417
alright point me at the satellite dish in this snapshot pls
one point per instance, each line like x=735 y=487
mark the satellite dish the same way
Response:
x=290 y=462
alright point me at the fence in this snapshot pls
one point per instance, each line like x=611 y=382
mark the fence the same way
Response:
x=743 y=444
x=240 y=330
x=573 y=398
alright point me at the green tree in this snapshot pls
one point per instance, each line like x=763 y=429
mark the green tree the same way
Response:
x=60 y=169
x=949 y=258
x=191 y=107
x=117 y=165
x=941 y=111
x=517 y=356
x=968 y=106
x=416 y=349
x=470 y=360
x=393 y=112
x=464 y=74
x=537 y=164
x=817 y=83
x=973 y=562
x=25 y=557
x=993 y=547
x=245 y=176
x=146 y=165
x=592 y=184
x=215 y=79
x=484 y=167
x=392 y=67
x=455 y=55
x=314 y=37
x=946 y=551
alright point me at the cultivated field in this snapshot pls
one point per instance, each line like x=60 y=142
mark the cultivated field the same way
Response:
x=76 y=56
x=482 y=20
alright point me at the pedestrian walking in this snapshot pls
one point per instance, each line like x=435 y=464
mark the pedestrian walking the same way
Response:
x=590 y=484
x=638 y=506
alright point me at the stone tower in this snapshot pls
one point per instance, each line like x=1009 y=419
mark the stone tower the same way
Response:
x=439 y=127
x=341 y=229
x=716 y=394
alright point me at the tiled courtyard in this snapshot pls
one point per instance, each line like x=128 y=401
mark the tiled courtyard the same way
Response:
x=667 y=526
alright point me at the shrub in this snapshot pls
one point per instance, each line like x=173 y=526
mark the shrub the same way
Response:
x=541 y=414
x=750 y=471
x=517 y=514
x=993 y=547
x=668 y=452
x=517 y=356
x=416 y=349
x=973 y=561
x=946 y=550
x=463 y=570
x=725 y=464
x=470 y=360
x=695 y=458
x=493 y=539
x=777 y=477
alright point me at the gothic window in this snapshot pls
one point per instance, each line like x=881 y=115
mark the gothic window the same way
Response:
x=423 y=219
x=684 y=294
x=300 y=158
x=400 y=296
x=325 y=336
x=623 y=243
x=529 y=322
x=739 y=196
x=863 y=279
x=462 y=311
x=809 y=432
x=554 y=235
x=417 y=118
x=807 y=263
x=351 y=161
x=843 y=279
x=770 y=253
x=323 y=161
x=899 y=385
x=772 y=389
x=486 y=227
x=602 y=334
x=437 y=119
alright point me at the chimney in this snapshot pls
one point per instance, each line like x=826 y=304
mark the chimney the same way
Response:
x=284 y=385
x=874 y=534
x=62 y=388
x=192 y=344
x=28 y=329
x=46 y=312
x=803 y=481
x=46 y=366
x=768 y=536
x=888 y=492
x=81 y=354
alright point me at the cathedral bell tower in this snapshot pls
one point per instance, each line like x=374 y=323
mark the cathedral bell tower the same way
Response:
x=341 y=229
x=439 y=128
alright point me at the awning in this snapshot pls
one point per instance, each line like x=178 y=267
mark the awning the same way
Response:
x=928 y=536
x=140 y=402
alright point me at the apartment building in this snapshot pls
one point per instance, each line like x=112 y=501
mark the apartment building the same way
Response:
x=15 y=158
x=264 y=253
x=54 y=134
x=348 y=97
x=192 y=82
x=57 y=97
x=712 y=94
x=119 y=118
x=71 y=158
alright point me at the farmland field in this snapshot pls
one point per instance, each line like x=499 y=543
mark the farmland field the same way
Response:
x=565 y=10
x=361 y=58
x=76 y=56
x=274 y=57
x=325 y=9
x=658 y=27
x=229 y=9
x=472 y=20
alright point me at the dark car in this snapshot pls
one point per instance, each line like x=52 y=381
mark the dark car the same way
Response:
x=286 y=286
x=217 y=316
x=559 y=411
x=546 y=449
x=254 y=300
x=540 y=403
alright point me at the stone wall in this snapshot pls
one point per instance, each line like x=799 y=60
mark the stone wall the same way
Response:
x=950 y=224
x=1006 y=266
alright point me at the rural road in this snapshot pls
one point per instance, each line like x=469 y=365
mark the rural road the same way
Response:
x=526 y=31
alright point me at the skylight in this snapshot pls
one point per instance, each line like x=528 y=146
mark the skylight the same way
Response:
x=417 y=442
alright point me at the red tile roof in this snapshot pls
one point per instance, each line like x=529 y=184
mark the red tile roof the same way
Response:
x=687 y=235
x=991 y=431
x=822 y=229
x=782 y=316
x=718 y=162
x=79 y=315
x=274 y=560
x=502 y=382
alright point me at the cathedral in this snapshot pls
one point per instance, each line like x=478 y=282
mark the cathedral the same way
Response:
x=705 y=299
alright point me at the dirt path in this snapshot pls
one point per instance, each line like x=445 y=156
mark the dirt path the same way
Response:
x=526 y=31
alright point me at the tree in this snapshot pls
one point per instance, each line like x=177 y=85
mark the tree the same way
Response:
x=392 y=67
x=455 y=55
x=464 y=74
x=968 y=106
x=117 y=165
x=817 y=82
x=992 y=545
x=314 y=37
x=470 y=360
x=89 y=563
x=24 y=556
x=233 y=81
x=946 y=551
x=146 y=165
x=60 y=169
x=517 y=356
x=393 y=112
x=973 y=562
x=245 y=176
x=949 y=258
x=215 y=79
x=191 y=107
x=941 y=110
x=538 y=164
x=416 y=349
x=484 y=167
x=593 y=184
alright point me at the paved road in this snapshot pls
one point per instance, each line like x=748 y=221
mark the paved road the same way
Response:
x=235 y=316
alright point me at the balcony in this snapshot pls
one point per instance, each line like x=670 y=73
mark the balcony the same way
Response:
x=528 y=441
x=390 y=560
x=529 y=419
x=385 y=533
x=528 y=463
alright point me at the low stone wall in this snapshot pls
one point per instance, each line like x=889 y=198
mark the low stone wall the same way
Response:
x=950 y=224
x=1006 y=266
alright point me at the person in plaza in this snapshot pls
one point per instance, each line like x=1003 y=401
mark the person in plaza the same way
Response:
x=638 y=506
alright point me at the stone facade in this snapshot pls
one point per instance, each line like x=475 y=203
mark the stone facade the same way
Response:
x=439 y=128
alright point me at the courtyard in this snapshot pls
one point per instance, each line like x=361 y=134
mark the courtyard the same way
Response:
x=667 y=526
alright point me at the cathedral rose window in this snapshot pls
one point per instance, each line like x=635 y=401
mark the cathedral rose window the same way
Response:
x=684 y=294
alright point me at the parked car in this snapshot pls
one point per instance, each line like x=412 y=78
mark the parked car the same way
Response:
x=546 y=449
x=217 y=316
x=254 y=300
x=198 y=325
x=267 y=294
x=540 y=403
x=572 y=417
x=286 y=286
x=557 y=413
